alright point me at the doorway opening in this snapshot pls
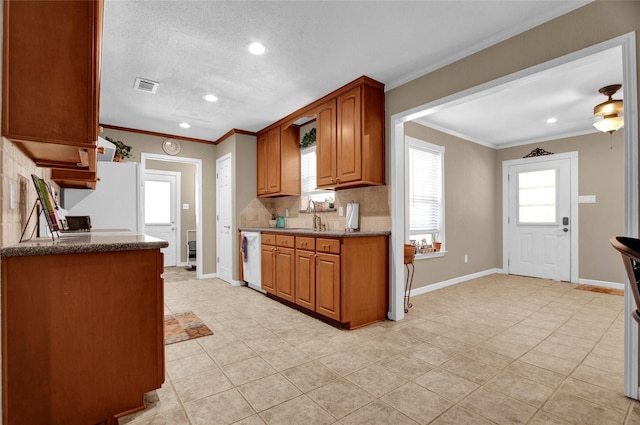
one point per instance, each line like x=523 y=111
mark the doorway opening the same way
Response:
x=154 y=159
x=629 y=87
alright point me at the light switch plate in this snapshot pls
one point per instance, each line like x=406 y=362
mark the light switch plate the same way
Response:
x=185 y=206
x=587 y=199
x=340 y=212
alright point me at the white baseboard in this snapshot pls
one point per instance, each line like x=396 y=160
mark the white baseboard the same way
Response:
x=454 y=281
x=237 y=283
x=613 y=285
x=209 y=276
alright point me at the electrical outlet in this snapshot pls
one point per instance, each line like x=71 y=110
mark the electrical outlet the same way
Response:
x=286 y=212
x=466 y=258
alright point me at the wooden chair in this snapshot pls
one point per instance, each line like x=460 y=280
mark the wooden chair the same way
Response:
x=629 y=248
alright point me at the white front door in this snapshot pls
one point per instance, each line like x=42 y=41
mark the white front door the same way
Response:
x=224 y=211
x=160 y=221
x=540 y=218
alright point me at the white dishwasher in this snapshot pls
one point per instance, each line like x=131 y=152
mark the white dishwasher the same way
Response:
x=251 y=260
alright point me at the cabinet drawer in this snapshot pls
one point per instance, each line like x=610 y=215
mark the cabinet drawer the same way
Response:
x=306 y=243
x=285 y=240
x=268 y=239
x=328 y=245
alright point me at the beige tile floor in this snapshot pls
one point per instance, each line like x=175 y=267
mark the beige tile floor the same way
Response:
x=494 y=350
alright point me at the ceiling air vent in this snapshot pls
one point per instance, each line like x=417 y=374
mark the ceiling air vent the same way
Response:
x=145 y=85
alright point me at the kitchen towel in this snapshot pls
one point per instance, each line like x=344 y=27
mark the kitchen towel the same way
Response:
x=244 y=249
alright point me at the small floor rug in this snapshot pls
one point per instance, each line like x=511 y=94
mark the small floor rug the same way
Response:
x=182 y=327
x=600 y=289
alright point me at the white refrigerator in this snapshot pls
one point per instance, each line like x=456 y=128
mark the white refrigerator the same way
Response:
x=114 y=202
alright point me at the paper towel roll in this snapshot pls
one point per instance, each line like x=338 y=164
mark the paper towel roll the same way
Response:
x=353 y=211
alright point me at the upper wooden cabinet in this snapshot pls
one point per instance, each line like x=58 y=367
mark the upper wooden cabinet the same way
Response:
x=350 y=138
x=278 y=167
x=51 y=75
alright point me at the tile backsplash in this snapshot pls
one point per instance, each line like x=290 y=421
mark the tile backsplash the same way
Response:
x=375 y=210
x=16 y=172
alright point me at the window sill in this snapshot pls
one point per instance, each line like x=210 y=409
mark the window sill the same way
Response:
x=429 y=255
x=319 y=210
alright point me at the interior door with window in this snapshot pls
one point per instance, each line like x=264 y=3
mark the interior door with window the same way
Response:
x=540 y=220
x=160 y=197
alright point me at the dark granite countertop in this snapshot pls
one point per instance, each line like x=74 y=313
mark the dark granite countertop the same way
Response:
x=79 y=243
x=317 y=233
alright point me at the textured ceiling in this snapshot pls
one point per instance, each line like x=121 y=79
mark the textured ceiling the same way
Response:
x=196 y=47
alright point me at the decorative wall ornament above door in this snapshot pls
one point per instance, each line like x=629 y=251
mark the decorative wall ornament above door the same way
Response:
x=537 y=152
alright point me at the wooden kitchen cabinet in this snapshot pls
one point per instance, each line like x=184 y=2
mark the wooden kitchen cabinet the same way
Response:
x=328 y=285
x=326 y=144
x=82 y=340
x=51 y=83
x=350 y=137
x=285 y=273
x=278 y=162
x=342 y=279
x=305 y=269
x=268 y=263
x=285 y=267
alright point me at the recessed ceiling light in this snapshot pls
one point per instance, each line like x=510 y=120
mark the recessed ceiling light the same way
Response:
x=257 y=48
x=184 y=125
x=552 y=120
x=210 y=97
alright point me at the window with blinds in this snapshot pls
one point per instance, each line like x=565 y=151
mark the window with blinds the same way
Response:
x=424 y=191
x=308 y=176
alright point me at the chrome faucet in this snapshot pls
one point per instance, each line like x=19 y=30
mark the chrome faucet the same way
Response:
x=312 y=207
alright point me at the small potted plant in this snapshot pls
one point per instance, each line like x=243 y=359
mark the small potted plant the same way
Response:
x=434 y=240
x=122 y=151
x=331 y=202
x=308 y=139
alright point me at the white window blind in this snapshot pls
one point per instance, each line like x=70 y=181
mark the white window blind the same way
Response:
x=308 y=177
x=424 y=191
x=308 y=170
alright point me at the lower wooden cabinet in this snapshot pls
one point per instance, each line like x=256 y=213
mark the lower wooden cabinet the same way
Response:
x=285 y=273
x=343 y=279
x=328 y=285
x=82 y=335
x=305 y=283
x=268 y=267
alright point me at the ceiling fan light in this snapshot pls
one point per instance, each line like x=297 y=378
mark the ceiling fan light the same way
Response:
x=610 y=107
x=608 y=115
x=609 y=124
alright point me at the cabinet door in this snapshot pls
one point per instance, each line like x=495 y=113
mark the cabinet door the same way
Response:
x=261 y=168
x=285 y=273
x=273 y=160
x=51 y=76
x=349 y=137
x=328 y=285
x=305 y=287
x=326 y=144
x=268 y=264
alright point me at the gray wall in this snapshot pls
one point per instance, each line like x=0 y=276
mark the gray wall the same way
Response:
x=206 y=152
x=589 y=25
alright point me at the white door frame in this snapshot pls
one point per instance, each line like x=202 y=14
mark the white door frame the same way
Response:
x=144 y=156
x=226 y=157
x=630 y=94
x=573 y=157
x=176 y=205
